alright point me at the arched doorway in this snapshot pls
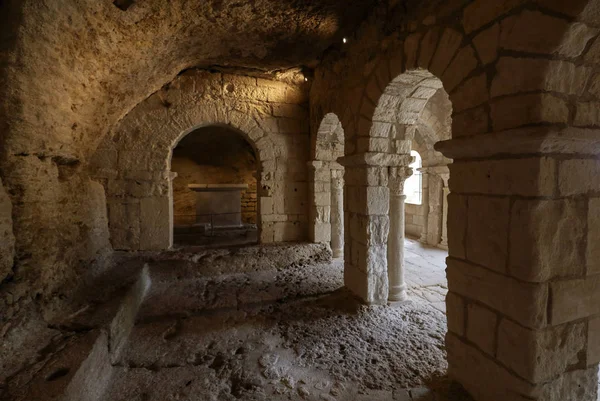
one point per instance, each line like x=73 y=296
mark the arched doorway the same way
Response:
x=214 y=188
x=327 y=185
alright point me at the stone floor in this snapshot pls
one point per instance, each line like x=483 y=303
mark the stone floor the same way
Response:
x=232 y=325
x=426 y=273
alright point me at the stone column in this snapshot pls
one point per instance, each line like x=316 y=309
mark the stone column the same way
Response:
x=337 y=212
x=366 y=213
x=445 y=192
x=425 y=204
x=395 y=250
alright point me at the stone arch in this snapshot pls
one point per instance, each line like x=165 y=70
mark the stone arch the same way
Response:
x=376 y=174
x=326 y=213
x=133 y=164
x=183 y=200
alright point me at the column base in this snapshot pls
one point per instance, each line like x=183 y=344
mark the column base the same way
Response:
x=337 y=253
x=398 y=294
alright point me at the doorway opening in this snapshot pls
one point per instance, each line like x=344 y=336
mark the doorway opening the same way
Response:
x=214 y=188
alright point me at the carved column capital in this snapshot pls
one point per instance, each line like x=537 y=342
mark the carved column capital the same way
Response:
x=396 y=178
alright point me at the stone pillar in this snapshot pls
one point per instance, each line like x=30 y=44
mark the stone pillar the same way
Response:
x=523 y=306
x=320 y=201
x=337 y=212
x=366 y=198
x=445 y=192
x=435 y=203
x=395 y=250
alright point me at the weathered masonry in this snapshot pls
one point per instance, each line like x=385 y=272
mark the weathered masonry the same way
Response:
x=472 y=126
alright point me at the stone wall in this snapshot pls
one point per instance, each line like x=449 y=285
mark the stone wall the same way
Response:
x=270 y=114
x=213 y=155
x=522 y=79
x=188 y=172
x=414 y=219
x=7 y=239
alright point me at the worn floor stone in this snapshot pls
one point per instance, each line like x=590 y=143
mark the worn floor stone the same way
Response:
x=226 y=332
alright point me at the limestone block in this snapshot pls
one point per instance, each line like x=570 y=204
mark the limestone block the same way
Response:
x=593 y=341
x=369 y=230
x=368 y=144
x=487 y=232
x=593 y=237
x=455 y=312
x=577 y=385
x=540 y=355
x=377 y=200
x=526 y=303
x=574 y=299
x=514 y=111
x=411 y=45
x=462 y=65
x=270 y=218
x=532 y=31
x=516 y=75
x=547 y=239
x=428 y=46
x=470 y=122
x=471 y=93
x=481 y=12
x=322 y=199
x=457 y=225
x=369 y=176
x=576 y=39
x=289 y=231
x=321 y=233
x=525 y=177
x=587 y=114
x=266 y=205
x=296 y=95
x=106 y=158
x=323 y=214
x=372 y=91
x=155 y=223
x=446 y=50
x=7 y=239
x=481 y=327
x=486 y=44
x=481 y=375
x=371 y=288
x=124 y=215
x=136 y=188
x=578 y=176
x=133 y=160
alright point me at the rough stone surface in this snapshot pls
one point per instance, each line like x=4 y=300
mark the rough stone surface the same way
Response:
x=7 y=239
x=289 y=346
x=73 y=73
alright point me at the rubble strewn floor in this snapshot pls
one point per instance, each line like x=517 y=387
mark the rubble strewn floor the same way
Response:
x=238 y=332
x=315 y=343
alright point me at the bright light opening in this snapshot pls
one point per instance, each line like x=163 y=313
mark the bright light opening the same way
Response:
x=345 y=40
x=413 y=186
x=305 y=79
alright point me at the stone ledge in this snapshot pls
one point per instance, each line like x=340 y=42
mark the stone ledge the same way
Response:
x=375 y=159
x=525 y=141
